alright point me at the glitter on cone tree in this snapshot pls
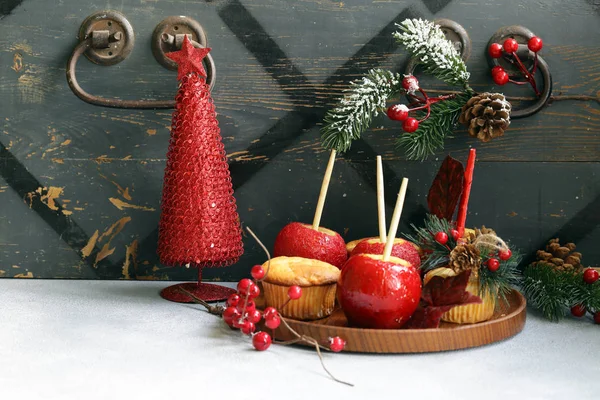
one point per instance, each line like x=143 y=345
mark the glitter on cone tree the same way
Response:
x=199 y=224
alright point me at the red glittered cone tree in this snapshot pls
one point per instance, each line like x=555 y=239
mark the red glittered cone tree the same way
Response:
x=199 y=224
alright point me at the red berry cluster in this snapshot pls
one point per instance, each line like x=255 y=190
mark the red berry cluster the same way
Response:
x=508 y=51
x=590 y=276
x=241 y=312
x=492 y=263
x=399 y=112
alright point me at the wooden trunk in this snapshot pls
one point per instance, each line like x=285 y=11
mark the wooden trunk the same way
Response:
x=80 y=185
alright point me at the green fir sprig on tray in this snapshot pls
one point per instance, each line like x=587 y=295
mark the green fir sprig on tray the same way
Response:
x=365 y=99
x=504 y=279
x=437 y=255
x=554 y=291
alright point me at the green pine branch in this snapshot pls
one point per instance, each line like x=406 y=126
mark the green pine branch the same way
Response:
x=432 y=132
x=546 y=290
x=553 y=292
x=365 y=99
x=426 y=42
x=437 y=255
x=501 y=281
x=504 y=279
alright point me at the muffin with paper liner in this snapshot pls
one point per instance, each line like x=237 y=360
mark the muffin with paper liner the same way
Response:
x=317 y=279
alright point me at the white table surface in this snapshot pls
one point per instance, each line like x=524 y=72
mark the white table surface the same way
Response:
x=120 y=340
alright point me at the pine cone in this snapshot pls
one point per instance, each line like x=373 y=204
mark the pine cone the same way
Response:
x=464 y=257
x=561 y=258
x=487 y=116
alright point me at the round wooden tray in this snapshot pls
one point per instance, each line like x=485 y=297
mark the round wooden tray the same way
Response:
x=507 y=321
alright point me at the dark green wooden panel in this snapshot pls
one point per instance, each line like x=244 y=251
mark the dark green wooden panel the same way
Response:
x=280 y=65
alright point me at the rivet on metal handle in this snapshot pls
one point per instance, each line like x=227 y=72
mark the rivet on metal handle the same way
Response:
x=106 y=38
x=522 y=36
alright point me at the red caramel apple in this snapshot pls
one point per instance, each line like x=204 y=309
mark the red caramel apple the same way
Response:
x=351 y=245
x=402 y=249
x=300 y=240
x=378 y=294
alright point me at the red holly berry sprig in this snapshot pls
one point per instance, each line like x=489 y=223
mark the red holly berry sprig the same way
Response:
x=590 y=276
x=400 y=112
x=492 y=263
x=578 y=310
x=241 y=313
x=508 y=51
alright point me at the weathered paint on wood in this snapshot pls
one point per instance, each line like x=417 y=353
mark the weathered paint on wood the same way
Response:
x=80 y=185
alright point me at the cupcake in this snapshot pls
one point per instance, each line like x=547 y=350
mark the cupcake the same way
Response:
x=469 y=313
x=317 y=279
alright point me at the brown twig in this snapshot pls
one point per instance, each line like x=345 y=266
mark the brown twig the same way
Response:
x=215 y=310
x=307 y=339
x=264 y=249
x=218 y=310
x=558 y=97
x=299 y=338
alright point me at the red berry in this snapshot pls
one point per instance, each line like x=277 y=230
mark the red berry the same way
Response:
x=244 y=285
x=248 y=327
x=504 y=255
x=250 y=307
x=257 y=272
x=578 y=310
x=510 y=45
x=254 y=317
x=535 y=44
x=261 y=341
x=495 y=50
x=590 y=275
x=597 y=317
x=294 y=292
x=238 y=322
x=410 y=83
x=269 y=311
x=410 y=125
x=336 y=344
x=455 y=234
x=230 y=315
x=501 y=78
x=233 y=300
x=497 y=69
x=273 y=322
x=253 y=291
x=397 y=112
x=493 y=264
x=441 y=237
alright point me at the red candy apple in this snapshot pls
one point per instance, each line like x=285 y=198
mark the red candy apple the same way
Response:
x=378 y=294
x=402 y=249
x=300 y=240
x=351 y=245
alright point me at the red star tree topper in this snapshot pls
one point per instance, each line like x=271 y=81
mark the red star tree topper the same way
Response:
x=199 y=224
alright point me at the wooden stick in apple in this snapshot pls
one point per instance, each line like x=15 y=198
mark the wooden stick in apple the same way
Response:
x=387 y=252
x=323 y=194
x=461 y=218
x=380 y=201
